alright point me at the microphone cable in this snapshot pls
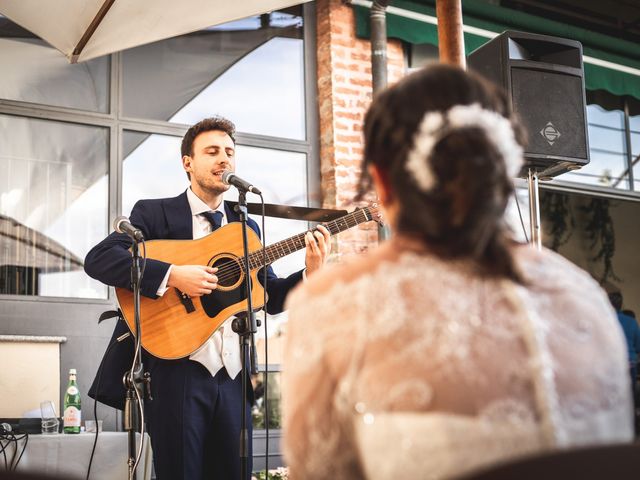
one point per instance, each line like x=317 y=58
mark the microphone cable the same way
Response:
x=138 y=350
x=95 y=400
x=99 y=377
x=6 y=435
x=266 y=342
x=4 y=431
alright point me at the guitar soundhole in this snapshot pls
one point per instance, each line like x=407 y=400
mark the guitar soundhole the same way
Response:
x=229 y=271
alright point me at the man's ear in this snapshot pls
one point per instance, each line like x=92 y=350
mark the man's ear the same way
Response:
x=381 y=184
x=186 y=163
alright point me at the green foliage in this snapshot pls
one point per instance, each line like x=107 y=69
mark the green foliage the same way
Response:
x=556 y=210
x=273 y=413
x=258 y=415
x=277 y=474
x=601 y=234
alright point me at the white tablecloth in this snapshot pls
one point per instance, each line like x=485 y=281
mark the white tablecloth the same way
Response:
x=68 y=455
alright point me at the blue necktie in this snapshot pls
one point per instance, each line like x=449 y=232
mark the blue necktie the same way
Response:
x=215 y=219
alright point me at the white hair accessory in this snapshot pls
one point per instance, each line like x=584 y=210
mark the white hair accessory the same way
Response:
x=497 y=128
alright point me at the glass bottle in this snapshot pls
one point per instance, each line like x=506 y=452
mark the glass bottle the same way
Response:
x=72 y=410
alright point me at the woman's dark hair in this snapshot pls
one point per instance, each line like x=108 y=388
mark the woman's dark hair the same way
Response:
x=206 y=125
x=462 y=215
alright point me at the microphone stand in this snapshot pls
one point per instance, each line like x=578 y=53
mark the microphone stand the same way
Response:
x=245 y=327
x=133 y=377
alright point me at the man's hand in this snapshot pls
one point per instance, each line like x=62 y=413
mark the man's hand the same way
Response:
x=318 y=248
x=194 y=280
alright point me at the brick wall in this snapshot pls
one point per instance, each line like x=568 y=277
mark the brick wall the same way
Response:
x=344 y=94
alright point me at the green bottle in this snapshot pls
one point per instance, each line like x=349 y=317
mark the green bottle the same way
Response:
x=72 y=411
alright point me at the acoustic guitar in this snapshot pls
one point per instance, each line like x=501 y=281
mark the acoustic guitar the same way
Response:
x=176 y=325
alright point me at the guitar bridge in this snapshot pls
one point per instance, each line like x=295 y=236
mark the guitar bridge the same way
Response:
x=186 y=301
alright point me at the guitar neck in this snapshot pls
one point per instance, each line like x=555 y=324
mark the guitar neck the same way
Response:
x=293 y=244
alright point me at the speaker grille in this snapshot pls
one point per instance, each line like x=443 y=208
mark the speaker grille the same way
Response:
x=551 y=107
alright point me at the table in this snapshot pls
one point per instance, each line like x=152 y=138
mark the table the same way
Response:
x=67 y=456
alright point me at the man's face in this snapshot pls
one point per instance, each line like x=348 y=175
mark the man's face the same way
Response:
x=213 y=154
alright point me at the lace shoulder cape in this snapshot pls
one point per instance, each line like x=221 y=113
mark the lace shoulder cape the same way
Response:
x=421 y=369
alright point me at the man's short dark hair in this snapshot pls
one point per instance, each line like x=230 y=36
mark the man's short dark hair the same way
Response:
x=214 y=123
x=616 y=300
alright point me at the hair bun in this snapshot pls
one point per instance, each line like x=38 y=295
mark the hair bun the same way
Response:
x=435 y=125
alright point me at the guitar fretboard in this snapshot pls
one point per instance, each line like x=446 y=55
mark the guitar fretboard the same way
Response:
x=293 y=244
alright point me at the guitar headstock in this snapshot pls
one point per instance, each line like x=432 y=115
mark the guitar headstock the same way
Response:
x=375 y=213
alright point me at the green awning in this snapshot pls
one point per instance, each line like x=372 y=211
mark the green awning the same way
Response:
x=610 y=64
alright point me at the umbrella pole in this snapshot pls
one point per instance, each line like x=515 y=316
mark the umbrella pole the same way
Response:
x=450 y=36
x=91 y=29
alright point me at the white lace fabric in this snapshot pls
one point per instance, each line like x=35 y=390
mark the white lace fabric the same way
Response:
x=421 y=369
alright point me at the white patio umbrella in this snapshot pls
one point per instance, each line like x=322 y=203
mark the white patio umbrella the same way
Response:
x=85 y=29
x=26 y=247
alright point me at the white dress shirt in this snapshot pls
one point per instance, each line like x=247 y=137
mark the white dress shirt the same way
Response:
x=223 y=347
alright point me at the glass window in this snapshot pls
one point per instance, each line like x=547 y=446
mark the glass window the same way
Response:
x=600 y=116
x=607 y=147
x=33 y=71
x=634 y=124
x=604 y=170
x=275 y=398
x=281 y=175
x=607 y=139
x=144 y=153
x=422 y=54
x=251 y=71
x=53 y=206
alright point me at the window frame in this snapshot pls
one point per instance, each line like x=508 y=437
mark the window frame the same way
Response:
x=116 y=124
x=609 y=192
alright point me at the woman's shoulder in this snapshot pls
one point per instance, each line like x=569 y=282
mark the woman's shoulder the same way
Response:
x=564 y=286
x=548 y=268
x=340 y=277
x=345 y=272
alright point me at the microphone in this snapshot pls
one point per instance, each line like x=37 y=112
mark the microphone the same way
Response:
x=230 y=178
x=123 y=225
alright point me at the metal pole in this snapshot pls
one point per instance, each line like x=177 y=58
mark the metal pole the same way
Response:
x=534 y=209
x=379 y=64
x=379 y=45
x=450 y=36
x=627 y=130
x=246 y=328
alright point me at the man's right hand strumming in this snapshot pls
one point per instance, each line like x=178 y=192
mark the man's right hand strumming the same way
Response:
x=194 y=280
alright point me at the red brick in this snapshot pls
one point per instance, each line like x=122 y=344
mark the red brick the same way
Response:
x=347 y=114
x=347 y=91
x=349 y=138
x=344 y=94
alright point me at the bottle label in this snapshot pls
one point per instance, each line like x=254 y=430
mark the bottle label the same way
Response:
x=72 y=390
x=71 y=417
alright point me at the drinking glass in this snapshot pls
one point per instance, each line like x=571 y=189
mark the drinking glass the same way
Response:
x=90 y=426
x=50 y=423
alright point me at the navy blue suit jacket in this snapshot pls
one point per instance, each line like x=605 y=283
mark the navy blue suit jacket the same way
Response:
x=110 y=262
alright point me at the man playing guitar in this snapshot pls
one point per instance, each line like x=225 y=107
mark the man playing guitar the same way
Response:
x=194 y=417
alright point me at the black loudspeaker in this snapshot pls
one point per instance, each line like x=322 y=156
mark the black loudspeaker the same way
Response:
x=544 y=79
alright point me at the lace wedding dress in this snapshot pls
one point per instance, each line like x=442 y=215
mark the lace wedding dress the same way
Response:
x=421 y=369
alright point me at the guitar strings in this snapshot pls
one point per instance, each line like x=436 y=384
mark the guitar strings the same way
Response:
x=291 y=245
x=232 y=269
